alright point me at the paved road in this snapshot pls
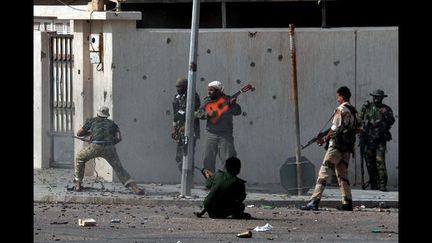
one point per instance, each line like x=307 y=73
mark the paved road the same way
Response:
x=49 y=186
x=176 y=223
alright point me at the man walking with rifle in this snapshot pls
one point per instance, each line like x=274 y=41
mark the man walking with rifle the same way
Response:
x=377 y=119
x=341 y=139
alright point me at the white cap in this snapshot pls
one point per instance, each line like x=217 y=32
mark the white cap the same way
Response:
x=103 y=111
x=216 y=84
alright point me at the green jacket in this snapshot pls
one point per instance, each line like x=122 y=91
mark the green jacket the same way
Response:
x=376 y=122
x=226 y=196
x=101 y=129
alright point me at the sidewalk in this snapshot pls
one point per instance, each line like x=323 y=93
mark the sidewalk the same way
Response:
x=50 y=185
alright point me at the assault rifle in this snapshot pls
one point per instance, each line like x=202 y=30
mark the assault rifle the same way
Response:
x=207 y=174
x=314 y=139
x=362 y=159
x=204 y=172
x=367 y=137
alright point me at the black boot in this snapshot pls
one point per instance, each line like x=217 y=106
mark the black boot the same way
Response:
x=373 y=184
x=346 y=206
x=311 y=205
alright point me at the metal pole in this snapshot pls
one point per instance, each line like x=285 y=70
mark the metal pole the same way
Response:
x=323 y=13
x=296 y=110
x=187 y=176
x=223 y=10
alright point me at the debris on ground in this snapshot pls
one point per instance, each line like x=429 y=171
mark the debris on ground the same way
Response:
x=266 y=206
x=266 y=227
x=87 y=222
x=246 y=234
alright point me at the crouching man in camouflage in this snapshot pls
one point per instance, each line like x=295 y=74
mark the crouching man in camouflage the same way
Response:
x=104 y=134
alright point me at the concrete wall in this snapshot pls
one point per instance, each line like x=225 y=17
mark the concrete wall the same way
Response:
x=145 y=64
x=378 y=68
x=41 y=101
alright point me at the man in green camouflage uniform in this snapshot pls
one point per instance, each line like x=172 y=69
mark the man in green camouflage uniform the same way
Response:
x=377 y=119
x=179 y=119
x=340 y=139
x=220 y=140
x=227 y=192
x=104 y=134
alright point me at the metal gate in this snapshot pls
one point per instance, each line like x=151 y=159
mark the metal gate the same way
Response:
x=62 y=106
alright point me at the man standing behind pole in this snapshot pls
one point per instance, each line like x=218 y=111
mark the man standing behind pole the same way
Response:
x=341 y=139
x=220 y=140
x=179 y=118
x=377 y=119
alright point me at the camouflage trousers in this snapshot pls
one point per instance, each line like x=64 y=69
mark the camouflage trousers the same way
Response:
x=375 y=163
x=181 y=150
x=109 y=153
x=221 y=145
x=337 y=162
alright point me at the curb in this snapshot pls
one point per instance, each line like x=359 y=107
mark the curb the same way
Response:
x=187 y=202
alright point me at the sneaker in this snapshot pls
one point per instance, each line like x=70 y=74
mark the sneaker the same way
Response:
x=311 y=205
x=78 y=186
x=135 y=189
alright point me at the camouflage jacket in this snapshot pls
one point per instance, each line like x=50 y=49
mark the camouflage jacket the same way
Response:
x=101 y=129
x=376 y=122
x=179 y=114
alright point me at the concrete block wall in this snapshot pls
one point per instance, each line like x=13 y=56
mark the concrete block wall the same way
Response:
x=145 y=64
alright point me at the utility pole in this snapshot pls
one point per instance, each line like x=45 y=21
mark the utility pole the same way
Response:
x=296 y=110
x=322 y=4
x=187 y=178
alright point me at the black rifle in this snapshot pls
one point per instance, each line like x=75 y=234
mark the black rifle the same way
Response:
x=314 y=139
x=202 y=212
x=369 y=136
x=202 y=172
x=362 y=151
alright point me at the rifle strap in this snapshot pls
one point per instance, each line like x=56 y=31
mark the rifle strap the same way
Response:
x=331 y=117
